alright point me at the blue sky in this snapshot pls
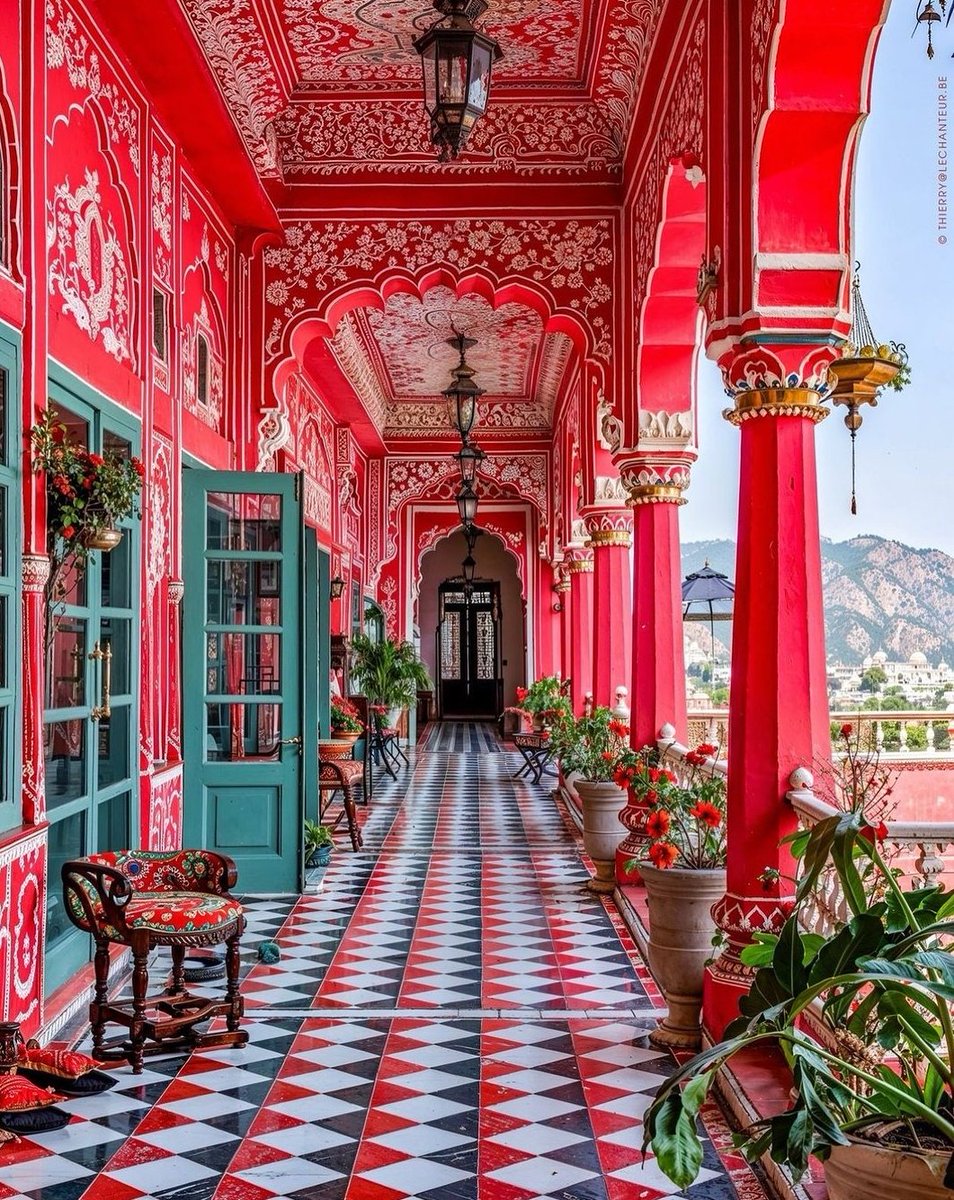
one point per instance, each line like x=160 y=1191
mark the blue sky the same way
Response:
x=906 y=446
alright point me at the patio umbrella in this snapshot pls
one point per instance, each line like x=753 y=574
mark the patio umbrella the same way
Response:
x=707 y=596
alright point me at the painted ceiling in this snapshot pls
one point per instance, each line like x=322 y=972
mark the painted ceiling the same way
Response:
x=347 y=44
x=324 y=89
x=398 y=362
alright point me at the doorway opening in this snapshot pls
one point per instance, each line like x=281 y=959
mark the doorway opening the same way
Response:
x=470 y=683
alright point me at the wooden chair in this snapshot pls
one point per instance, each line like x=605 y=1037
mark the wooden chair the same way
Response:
x=148 y=898
x=340 y=775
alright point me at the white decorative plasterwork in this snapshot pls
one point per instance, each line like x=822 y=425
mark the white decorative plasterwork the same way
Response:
x=429 y=418
x=353 y=359
x=67 y=45
x=336 y=136
x=569 y=260
x=609 y=489
x=661 y=429
x=236 y=48
x=274 y=433
x=632 y=26
x=161 y=204
x=609 y=428
x=87 y=265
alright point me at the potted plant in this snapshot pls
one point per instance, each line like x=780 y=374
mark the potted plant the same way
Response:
x=389 y=673
x=544 y=702
x=589 y=748
x=874 y=1093
x=344 y=720
x=684 y=873
x=318 y=844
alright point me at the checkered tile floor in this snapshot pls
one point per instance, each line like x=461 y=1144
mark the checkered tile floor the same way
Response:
x=454 y=1017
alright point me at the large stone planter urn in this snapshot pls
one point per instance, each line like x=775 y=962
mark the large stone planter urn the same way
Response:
x=602 y=830
x=864 y=1169
x=680 y=944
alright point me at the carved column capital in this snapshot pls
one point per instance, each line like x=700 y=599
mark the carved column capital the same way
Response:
x=578 y=560
x=609 y=526
x=777 y=380
x=776 y=402
x=35 y=572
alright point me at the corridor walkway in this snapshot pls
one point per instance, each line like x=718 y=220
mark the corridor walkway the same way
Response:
x=454 y=1017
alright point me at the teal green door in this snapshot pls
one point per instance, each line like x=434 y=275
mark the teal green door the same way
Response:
x=90 y=709
x=242 y=673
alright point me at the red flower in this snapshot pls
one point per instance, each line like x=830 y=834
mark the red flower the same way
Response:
x=521 y=694
x=651 y=796
x=663 y=854
x=68 y=532
x=653 y=774
x=97 y=460
x=670 y=776
x=657 y=823
x=694 y=758
x=620 y=728
x=846 y=730
x=138 y=467
x=706 y=748
x=608 y=756
x=707 y=813
x=870 y=832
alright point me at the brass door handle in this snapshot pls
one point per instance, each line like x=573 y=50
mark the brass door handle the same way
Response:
x=292 y=741
x=104 y=655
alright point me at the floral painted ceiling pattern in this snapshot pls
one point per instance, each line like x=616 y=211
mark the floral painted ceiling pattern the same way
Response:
x=350 y=43
x=398 y=360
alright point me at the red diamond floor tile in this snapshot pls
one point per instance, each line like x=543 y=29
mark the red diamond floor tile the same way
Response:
x=454 y=1017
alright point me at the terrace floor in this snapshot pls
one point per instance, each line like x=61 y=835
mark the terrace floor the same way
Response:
x=454 y=1017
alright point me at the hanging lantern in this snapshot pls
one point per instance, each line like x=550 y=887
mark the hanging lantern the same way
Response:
x=463 y=393
x=928 y=16
x=864 y=368
x=471 y=534
x=457 y=61
x=467 y=505
x=469 y=568
x=469 y=460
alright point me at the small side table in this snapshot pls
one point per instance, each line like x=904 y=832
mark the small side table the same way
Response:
x=536 y=750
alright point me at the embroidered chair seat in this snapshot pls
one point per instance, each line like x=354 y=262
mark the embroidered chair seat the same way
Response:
x=341 y=775
x=148 y=898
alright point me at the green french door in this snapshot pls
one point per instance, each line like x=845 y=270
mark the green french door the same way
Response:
x=243 y=650
x=91 y=710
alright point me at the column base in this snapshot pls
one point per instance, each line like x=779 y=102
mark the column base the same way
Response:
x=604 y=881
x=676 y=1037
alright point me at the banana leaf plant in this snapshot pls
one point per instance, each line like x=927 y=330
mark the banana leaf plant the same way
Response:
x=885 y=978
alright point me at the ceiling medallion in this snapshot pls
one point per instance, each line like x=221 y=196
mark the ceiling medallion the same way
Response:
x=457 y=61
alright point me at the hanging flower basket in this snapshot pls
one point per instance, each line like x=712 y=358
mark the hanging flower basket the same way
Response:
x=106 y=538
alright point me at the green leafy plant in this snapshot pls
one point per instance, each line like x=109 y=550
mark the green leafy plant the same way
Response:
x=590 y=746
x=685 y=822
x=387 y=672
x=316 y=836
x=882 y=982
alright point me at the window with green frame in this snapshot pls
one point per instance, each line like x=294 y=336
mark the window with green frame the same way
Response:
x=10 y=812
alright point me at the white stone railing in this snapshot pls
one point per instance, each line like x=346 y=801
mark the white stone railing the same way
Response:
x=673 y=755
x=922 y=851
x=896 y=736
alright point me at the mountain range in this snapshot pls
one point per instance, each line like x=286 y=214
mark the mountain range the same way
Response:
x=879 y=595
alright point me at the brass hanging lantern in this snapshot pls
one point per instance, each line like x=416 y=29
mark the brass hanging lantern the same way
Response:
x=864 y=368
x=457 y=61
x=928 y=16
x=463 y=393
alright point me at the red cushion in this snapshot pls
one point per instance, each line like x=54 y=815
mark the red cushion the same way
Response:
x=346 y=769
x=390 y=731
x=177 y=912
x=20 y=1095
x=66 y=1064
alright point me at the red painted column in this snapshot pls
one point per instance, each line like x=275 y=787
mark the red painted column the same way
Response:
x=610 y=533
x=778 y=714
x=561 y=596
x=579 y=566
x=175 y=592
x=658 y=695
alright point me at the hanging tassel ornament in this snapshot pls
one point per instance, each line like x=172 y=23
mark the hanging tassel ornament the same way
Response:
x=929 y=16
x=864 y=368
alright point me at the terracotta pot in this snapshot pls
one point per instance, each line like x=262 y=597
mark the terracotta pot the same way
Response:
x=337 y=748
x=680 y=944
x=602 y=831
x=864 y=1169
x=340 y=735
x=104 y=539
